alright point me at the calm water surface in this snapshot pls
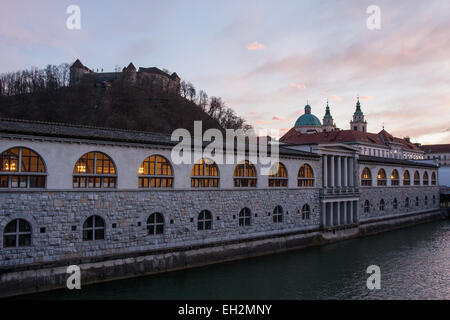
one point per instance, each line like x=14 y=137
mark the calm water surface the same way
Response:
x=414 y=262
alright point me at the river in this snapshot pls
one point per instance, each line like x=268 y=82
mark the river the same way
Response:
x=414 y=263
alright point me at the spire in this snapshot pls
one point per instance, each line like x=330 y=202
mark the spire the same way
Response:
x=307 y=109
x=327 y=112
x=358 y=108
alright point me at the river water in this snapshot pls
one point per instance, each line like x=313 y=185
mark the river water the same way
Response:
x=414 y=263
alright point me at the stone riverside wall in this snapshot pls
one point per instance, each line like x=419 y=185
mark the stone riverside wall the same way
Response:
x=62 y=214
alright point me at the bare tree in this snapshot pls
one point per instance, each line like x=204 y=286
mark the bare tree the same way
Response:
x=191 y=91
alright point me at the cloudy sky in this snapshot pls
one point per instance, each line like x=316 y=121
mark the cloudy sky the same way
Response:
x=264 y=58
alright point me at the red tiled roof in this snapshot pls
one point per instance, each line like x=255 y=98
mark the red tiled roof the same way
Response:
x=346 y=136
x=436 y=148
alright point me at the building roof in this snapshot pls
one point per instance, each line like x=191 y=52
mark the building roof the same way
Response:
x=77 y=64
x=70 y=131
x=436 y=148
x=413 y=163
x=307 y=119
x=382 y=139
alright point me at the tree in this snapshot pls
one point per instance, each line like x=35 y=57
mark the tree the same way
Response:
x=191 y=91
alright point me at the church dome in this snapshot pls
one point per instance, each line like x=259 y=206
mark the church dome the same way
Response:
x=307 y=119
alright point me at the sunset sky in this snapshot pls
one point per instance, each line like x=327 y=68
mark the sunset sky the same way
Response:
x=264 y=58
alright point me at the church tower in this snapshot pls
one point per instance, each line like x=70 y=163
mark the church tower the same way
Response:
x=328 y=123
x=358 y=123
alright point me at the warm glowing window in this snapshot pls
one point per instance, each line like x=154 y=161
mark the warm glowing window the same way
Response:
x=155 y=172
x=278 y=176
x=425 y=178
x=395 y=181
x=245 y=175
x=94 y=170
x=21 y=168
x=416 y=178
x=305 y=176
x=433 y=178
x=245 y=217
x=205 y=174
x=16 y=234
x=366 y=177
x=381 y=177
x=406 y=178
x=278 y=214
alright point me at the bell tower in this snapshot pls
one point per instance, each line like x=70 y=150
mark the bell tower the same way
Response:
x=328 y=123
x=358 y=123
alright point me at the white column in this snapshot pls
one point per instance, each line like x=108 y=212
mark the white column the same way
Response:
x=339 y=171
x=331 y=214
x=351 y=211
x=332 y=171
x=352 y=172
x=325 y=171
x=338 y=213
x=345 y=171
x=355 y=211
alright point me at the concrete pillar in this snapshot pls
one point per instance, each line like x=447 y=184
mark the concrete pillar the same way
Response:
x=355 y=211
x=352 y=172
x=345 y=171
x=331 y=214
x=331 y=171
x=325 y=171
x=338 y=215
x=339 y=171
x=324 y=214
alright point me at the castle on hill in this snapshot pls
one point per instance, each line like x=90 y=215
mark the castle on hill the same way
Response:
x=152 y=78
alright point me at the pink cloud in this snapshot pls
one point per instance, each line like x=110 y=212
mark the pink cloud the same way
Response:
x=255 y=46
x=298 y=85
x=365 y=98
x=335 y=98
x=262 y=122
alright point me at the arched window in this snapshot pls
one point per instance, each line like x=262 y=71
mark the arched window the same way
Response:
x=417 y=201
x=395 y=181
x=381 y=177
x=426 y=200
x=366 y=177
x=305 y=176
x=94 y=170
x=155 y=224
x=94 y=228
x=205 y=174
x=17 y=234
x=433 y=178
x=407 y=202
x=278 y=214
x=382 y=205
x=366 y=206
x=395 y=204
x=278 y=176
x=406 y=178
x=425 y=178
x=245 y=175
x=306 y=212
x=155 y=172
x=204 y=220
x=245 y=217
x=21 y=168
x=416 y=178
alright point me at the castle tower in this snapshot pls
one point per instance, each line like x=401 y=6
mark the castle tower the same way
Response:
x=77 y=71
x=358 y=123
x=328 y=122
x=129 y=74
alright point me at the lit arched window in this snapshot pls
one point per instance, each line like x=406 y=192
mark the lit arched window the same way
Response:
x=21 y=168
x=306 y=211
x=305 y=176
x=395 y=180
x=382 y=205
x=433 y=178
x=416 y=178
x=17 y=234
x=407 y=202
x=204 y=220
x=366 y=206
x=155 y=172
x=425 y=178
x=366 y=177
x=94 y=228
x=381 y=177
x=245 y=175
x=417 y=201
x=395 y=204
x=278 y=176
x=94 y=170
x=278 y=214
x=205 y=174
x=245 y=217
x=155 y=224
x=406 y=178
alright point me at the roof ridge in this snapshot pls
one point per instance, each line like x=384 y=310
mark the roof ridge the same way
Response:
x=80 y=126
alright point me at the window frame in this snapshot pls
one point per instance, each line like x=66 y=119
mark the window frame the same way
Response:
x=95 y=177
x=17 y=234
x=366 y=181
x=277 y=215
x=203 y=220
x=150 y=181
x=277 y=179
x=305 y=180
x=205 y=181
x=245 y=181
x=94 y=228
x=155 y=224
x=245 y=217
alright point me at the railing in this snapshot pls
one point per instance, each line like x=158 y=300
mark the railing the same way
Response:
x=340 y=190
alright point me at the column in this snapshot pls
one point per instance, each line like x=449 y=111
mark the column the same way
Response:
x=331 y=214
x=352 y=172
x=325 y=171
x=338 y=213
x=355 y=211
x=345 y=171
x=339 y=171
x=324 y=214
x=351 y=211
x=332 y=171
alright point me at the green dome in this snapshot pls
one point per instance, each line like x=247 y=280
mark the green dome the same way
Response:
x=307 y=119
